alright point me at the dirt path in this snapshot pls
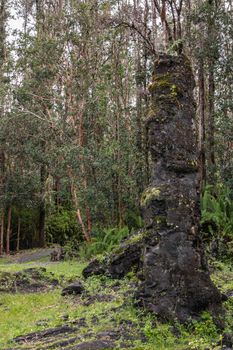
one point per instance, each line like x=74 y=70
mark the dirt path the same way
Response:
x=38 y=256
x=33 y=255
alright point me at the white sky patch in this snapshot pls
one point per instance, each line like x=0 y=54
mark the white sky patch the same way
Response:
x=15 y=23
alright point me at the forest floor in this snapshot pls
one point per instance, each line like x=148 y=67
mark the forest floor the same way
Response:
x=34 y=314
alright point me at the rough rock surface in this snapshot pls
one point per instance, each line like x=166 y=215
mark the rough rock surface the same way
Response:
x=73 y=288
x=28 y=280
x=176 y=282
x=175 y=278
x=44 y=334
x=126 y=257
x=78 y=335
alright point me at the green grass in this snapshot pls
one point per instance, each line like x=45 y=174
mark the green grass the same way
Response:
x=68 y=269
x=20 y=313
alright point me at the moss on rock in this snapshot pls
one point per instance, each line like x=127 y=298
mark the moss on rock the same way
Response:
x=149 y=194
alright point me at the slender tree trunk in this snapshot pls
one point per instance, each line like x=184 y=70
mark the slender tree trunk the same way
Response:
x=79 y=217
x=211 y=121
x=77 y=209
x=56 y=188
x=147 y=156
x=42 y=213
x=2 y=176
x=2 y=153
x=211 y=93
x=60 y=5
x=8 y=231
x=85 y=184
x=18 y=235
x=202 y=123
x=139 y=122
x=2 y=232
x=139 y=103
x=89 y=221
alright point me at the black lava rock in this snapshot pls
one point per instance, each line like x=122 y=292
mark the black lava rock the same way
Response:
x=73 y=288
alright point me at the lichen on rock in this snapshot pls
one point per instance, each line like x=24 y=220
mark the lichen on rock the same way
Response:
x=149 y=194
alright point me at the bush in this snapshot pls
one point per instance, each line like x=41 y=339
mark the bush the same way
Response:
x=62 y=226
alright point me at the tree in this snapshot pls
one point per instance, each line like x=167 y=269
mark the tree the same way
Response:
x=79 y=100
x=3 y=18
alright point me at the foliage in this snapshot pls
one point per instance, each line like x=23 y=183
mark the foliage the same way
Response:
x=217 y=210
x=162 y=335
x=205 y=331
x=133 y=219
x=62 y=226
x=103 y=241
x=28 y=227
x=74 y=102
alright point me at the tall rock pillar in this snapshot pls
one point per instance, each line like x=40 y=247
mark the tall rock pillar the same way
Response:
x=176 y=282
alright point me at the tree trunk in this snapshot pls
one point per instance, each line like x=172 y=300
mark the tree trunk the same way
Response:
x=77 y=209
x=3 y=16
x=139 y=107
x=211 y=93
x=80 y=220
x=202 y=124
x=18 y=235
x=211 y=121
x=2 y=232
x=42 y=212
x=56 y=189
x=8 y=231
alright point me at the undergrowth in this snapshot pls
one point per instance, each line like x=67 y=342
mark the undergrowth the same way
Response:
x=217 y=220
x=26 y=313
x=103 y=241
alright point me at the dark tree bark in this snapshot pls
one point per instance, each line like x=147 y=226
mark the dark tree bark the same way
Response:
x=18 y=234
x=139 y=109
x=8 y=230
x=211 y=91
x=3 y=16
x=2 y=232
x=42 y=212
x=202 y=123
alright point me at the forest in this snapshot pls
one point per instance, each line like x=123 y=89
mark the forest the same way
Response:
x=116 y=174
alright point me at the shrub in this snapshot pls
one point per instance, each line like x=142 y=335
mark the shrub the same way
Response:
x=62 y=226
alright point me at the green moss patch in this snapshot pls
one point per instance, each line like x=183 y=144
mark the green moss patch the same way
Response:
x=150 y=194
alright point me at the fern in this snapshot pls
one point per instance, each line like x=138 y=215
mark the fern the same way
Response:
x=217 y=208
x=104 y=242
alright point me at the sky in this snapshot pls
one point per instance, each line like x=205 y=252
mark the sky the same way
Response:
x=15 y=23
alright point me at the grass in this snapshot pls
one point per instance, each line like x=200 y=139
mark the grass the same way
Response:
x=25 y=313
x=68 y=269
x=20 y=313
